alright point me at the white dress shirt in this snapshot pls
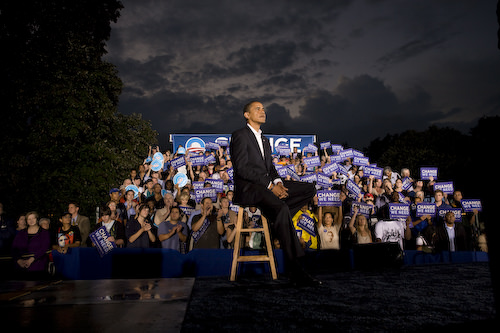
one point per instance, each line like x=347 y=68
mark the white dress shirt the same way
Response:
x=258 y=136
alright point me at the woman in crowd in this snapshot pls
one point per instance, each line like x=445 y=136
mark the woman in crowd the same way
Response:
x=329 y=225
x=21 y=223
x=359 y=228
x=139 y=231
x=30 y=247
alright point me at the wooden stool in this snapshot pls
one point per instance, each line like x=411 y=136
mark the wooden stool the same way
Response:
x=237 y=257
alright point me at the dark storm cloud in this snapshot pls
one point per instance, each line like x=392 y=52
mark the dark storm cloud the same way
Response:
x=347 y=71
x=266 y=58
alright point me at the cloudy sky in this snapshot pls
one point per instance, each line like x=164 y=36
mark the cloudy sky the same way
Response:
x=348 y=71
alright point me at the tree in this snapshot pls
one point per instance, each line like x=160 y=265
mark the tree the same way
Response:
x=62 y=137
x=446 y=148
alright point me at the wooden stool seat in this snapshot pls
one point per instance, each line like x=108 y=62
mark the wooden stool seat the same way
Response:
x=238 y=257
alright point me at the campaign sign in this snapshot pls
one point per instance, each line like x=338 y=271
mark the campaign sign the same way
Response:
x=329 y=198
x=374 y=171
x=201 y=193
x=407 y=184
x=210 y=159
x=310 y=178
x=311 y=147
x=283 y=151
x=178 y=162
x=197 y=160
x=218 y=184
x=426 y=208
x=446 y=187
x=330 y=168
x=291 y=172
x=158 y=156
x=336 y=159
x=230 y=173
x=198 y=185
x=325 y=145
x=282 y=171
x=313 y=161
x=363 y=208
x=235 y=208
x=336 y=148
x=399 y=211
x=456 y=211
x=427 y=172
x=323 y=180
x=346 y=153
x=469 y=205
x=187 y=210
x=307 y=223
x=353 y=188
x=180 y=179
x=133 y=188
x=101 y=242
x=197 y=142
x=212 y=145
x=343 y=170
x=360 y=161
x=156 y=165
x=223 y=142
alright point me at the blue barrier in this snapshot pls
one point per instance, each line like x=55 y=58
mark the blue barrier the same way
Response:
x=86 y=264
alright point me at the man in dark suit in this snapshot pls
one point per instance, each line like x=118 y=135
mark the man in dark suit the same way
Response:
x=257 y=183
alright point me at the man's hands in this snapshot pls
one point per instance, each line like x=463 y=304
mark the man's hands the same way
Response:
x=280 y=190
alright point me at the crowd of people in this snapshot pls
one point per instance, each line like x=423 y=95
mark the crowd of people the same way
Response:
x=154 y=208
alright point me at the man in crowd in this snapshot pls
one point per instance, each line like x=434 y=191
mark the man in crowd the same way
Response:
x=81 y=221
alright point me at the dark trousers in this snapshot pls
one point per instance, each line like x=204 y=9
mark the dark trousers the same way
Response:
x=280 y=212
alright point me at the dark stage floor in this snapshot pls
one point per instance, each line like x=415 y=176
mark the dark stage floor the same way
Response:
x=424 y=298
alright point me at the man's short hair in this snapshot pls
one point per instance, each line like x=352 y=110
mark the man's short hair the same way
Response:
x=246 y=108
x=176 y=207
x=105 y=211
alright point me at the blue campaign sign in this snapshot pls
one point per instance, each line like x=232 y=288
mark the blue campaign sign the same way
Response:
x=197 y=142
x=426 y=208
x=469 y=205
x=398 y=211
x=329 y=198
x=100 y=239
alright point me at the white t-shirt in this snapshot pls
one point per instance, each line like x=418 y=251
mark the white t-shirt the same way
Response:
x=390 y=231
x=329 y=237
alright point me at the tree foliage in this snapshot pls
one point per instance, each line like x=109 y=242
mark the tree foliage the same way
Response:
x=458 y=156
x=62 y=137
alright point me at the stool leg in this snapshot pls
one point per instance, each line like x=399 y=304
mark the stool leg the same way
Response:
x=270 y=253
x=237 y=244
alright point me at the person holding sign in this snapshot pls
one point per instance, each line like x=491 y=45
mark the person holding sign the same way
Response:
x=304 y=222
x=257 y=183
x=115 y=229
x=206 y=227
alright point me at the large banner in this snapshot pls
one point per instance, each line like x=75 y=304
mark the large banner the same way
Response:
x=198 y=142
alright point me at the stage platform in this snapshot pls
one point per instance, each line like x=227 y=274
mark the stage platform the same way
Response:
x=133 y=305
x=420 y=298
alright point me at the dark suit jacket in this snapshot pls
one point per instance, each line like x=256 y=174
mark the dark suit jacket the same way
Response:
x=443 y=243
x=252 y=173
